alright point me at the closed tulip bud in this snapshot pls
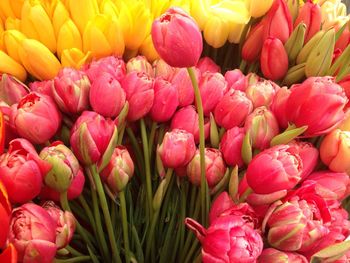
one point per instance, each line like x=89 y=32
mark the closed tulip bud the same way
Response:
x=236 y=80
x=258 y=9
x=139 y=64
x=112 y=65
x=321 y=96
x=71 y=91
x=295 y=43
x=175 y=26
x=177 y=148
x=235 y=33
x=212 y=87
x=310 y=15
x=12 y=41
x=68 y=37
x=334 y=151
x=9 y=66
x=139 y=92
x=107 y=96
x=233 y=109
x=39 y=110
x=262 y=92
x=5 y=214
x=181 y=80
x=60 y=15
x=215 y=168
x=278 y=23
x=65 y=223
x=82 y=12
x=273 y=255
x=278 y=106
x=38 y=60
x=33 y=233
x=74 y=58
x=11 y=8
x=275 y=169
x=207 y=64
x=148 y=50
x=103 y=37
x=221 y=204
x=92 y=137
x=216 y=31
x=43 y=87
x=36 y=24
x=231 y=145
x=308 y=47
x=11 y=89
x=274 y=59
x=162 y=69
x=253 y=44
x=186 y=119
x=165 y=100
x=262 y=126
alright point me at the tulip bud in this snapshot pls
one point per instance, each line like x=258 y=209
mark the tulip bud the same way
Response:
x=259 y=8
x=119 y=170
x=68 y=37
x=11 y=89
x=207 y=64
x=9 y=66
x=175 y=26
x=221 y=204
x=274 y=59
x=278 y=106
x=71 y=90
x=295 y=43
x=112 y=65
x=107 y=96
x=162 y=69
x=308 y=47
x=43 y=87
x=139 y=92
x=275 y=169
x=231 y=145
x=5 y=214
x=74 y=58
x=181 y=80
x=262 y=92
x=215 y=168
x=233 y=109
x=12 y=40
x=82 y=12
x=216 y=31
x=236 y=80
x=59 y=16
x=165 y=100
x=253 y=44
x=139 y=64
x=273 y=255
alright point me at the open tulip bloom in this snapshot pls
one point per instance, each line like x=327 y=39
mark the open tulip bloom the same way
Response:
x=174 y=131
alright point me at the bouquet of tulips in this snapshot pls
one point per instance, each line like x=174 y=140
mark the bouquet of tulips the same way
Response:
x=231 y=149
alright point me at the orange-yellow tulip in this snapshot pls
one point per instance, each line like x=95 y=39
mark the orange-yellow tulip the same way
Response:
x=10 y=66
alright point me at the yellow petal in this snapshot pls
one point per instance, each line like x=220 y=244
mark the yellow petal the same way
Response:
x=216 y=32
x=200 y=12
x=68 y=37
x=13 y=23
x=259 y=8
x=10 y=66
x=235 y=33
x=147 y=49
x=75 y=58
x=82 y=11
x=6 y=8
x=59 y=16
x=16 y=6
x=231 y=11
x=108 y=7
x=12 y=41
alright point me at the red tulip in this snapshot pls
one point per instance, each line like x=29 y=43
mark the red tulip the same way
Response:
x=181 y=80
x=11 y=89
x=207 y=64
x=139 y=64
x=262 y=92
x=278 y=106
x=9 y=255
x=253 y=44
x=221 y=204
x=177 y=38
x=5 y=215
x=231 y=146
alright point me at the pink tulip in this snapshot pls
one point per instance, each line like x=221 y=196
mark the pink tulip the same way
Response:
x=71 y=91
x=345 y=84
x=11 y=89
x=107 y=96
x=207 y=64
x=181 y=80
x=139 y=92
x=177 y=148
x=221 y=204
x=91 y=136
x=236 y=80
x=187 y=119
x=275 y=169
x=65 y=223
x=233 y=109
x=42 y=87
x=270 y=255
x=253 y=44
x=32 y=232
x=165 y=100
x=36 y=118
x=262 y=92
x=231 y=146
x=215 y=168
x=273 y=59
x=228 y=239
x=321 y=96
x=139 y=64
x=177 y=38
x=162 y=69
x=278 y=106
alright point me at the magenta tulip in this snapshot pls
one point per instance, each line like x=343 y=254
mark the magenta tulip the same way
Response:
x=231 y=146
x=278 y=106
x=270 y=255
x=207 y=64
x=236 y=80
x=43 y=87
x=183 y=84
x=11 y=89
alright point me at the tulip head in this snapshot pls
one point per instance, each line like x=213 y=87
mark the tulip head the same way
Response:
x=236 y=80
x=181 y=80
x=259 y=8
x=43 y=87
x=162 y=69
x=139 y=64
x=112 y=65
x=231 y=145
x=207 y=64
x=262 y=92
x=278 y=106
x=273 y=255
x=75 y=58
x=11 y=89
x=253 y=44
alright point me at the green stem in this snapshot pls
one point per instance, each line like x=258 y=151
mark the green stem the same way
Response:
x=72 y=260
x=147 y=166
x=106 y=214
x=125 y=225
x=201 y=145
x=88 y=212
x=135 y=147
x=121 y=133
x=74 y=252
x=151 y=137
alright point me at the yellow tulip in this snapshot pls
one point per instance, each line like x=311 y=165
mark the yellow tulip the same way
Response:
x=236 y=30
x=10 y=66
x=103 y=37
x=17 y=7
x=1 y=26
x=36 y=24
x=158 y=7
x=12 y=41
x=147 y=49
x=258 y=8
x=108 y=7
x=13 y=23
x=74 y=58
x=38 y=60
x=68 y=37
x=82 y=11
x=59 y=16
x=216 y=31
x=199 y=11
x=184 y=4
x=5 y=6
x=234 y=12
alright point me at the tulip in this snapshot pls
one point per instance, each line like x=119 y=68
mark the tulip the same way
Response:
x=212 y=87
x=274 y=59
x=103 y=37
x=275 y=169
x=74 y=58
x=68 y=37
x=43 y=87
x=139 y=92
x=207 y=64
x=187 y=119
x=59 y=16
x=9 y=66
x=165 y=101
x=239 y=242
x=12 y=40
x=139 y=64
x=236 y=80
x=162 y=69
x=11 y=89
x=278 y=106
x=262 y=92
x=273 y=255
x=119 y=170
x=215 y=168
x=36 y=24
x=5 y=214
x=221 y=204
x=334 y=150
x=259 y=8
x=107 y=96
x=253 y=44
x=40 y=110
x=262 y=126
x=32 y=232
x=82 y=12
x=71 y=90
x=11 y=8
x=182 y=82
x=231 y=145
x=278 y=23
x=38 y=60
x=177 y=148
x=310 y=15
x=321 y=96
x=216 y=31
x=65 y=222
x=233 y=109
x=175 y=26
x=92 y=138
